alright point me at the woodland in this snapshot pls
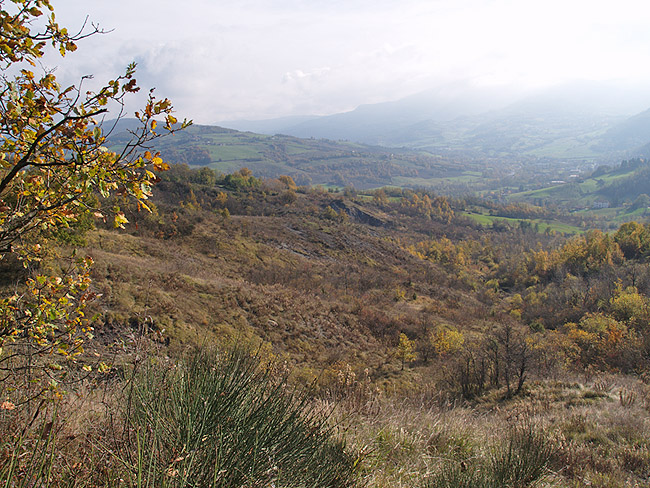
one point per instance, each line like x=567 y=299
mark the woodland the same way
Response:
x=175 y=325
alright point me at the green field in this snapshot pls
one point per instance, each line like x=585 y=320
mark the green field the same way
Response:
x=552 y=225
x=582 y=193
x=467 y=177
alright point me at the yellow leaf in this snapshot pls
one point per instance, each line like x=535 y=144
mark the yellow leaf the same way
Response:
x=7 y=405
x=159 y=164
x=120 y=220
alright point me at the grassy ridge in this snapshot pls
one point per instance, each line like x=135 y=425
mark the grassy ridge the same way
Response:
x=308 y=161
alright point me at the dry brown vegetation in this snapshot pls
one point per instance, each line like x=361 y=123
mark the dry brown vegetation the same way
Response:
x=522 y=339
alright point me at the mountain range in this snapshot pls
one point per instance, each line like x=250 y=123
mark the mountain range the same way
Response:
x=586 y=121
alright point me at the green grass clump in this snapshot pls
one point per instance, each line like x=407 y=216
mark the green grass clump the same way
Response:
x=521 y=460
x=26 y=460
x=222 y=420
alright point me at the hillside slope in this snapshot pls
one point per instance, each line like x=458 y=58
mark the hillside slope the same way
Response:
x=323 y=278
x=576 y=121
x=307 y=161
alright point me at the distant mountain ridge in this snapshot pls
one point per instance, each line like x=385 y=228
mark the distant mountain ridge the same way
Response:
x=632 y=132
x=574 y=121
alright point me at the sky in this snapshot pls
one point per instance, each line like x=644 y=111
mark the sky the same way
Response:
x=255 y=59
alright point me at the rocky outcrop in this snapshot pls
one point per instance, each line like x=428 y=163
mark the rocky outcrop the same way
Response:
x=357 y=214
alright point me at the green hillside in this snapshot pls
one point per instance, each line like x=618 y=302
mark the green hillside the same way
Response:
x=307 y=161
x=616 y=193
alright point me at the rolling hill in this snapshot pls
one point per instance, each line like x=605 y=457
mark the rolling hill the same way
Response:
x=576 y=121
x=615 y=193
x=307 y=161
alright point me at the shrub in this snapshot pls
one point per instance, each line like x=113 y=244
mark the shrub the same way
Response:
x=222 y=420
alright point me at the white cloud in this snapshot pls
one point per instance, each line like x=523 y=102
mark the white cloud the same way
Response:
x=257 y=58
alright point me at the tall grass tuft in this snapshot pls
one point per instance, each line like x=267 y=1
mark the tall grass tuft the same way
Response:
x=520 y=460
x=224 y=421
x=26 y=458
x=523 y=458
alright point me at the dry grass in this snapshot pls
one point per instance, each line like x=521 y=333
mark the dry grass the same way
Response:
x=415 y=441
x=321 y=295
x=592 y=438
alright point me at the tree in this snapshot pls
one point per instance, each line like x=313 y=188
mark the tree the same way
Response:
x=642 y=201
x=53 y=163
x=511 y=356
x=633 y=239
x=405 y=349
x=441 y=341
x=288 y=182
x=446 y=340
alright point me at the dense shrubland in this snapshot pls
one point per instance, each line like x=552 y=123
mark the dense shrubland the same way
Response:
x=415 y=267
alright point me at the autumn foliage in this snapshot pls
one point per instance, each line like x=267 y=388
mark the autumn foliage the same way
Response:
x=54 y=167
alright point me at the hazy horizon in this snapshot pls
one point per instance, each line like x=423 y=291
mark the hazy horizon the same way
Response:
x=258 y=60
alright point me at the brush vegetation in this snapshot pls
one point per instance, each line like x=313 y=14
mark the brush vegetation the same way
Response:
x=249 y=331
x=414 y=346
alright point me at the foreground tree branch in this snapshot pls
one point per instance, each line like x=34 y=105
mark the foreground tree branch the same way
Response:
x=52 y=163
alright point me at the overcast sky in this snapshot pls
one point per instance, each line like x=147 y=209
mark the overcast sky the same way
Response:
x=255 y=59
